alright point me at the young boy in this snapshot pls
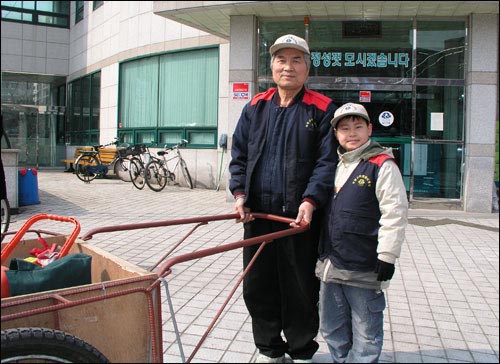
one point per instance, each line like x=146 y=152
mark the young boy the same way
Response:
x=361 y=240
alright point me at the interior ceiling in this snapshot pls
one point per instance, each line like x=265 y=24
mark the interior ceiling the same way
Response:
x=214 y=16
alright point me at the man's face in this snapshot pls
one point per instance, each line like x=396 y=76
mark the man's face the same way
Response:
x=289 y=69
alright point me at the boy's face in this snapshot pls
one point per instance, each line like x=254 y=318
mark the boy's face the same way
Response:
x=352 y=132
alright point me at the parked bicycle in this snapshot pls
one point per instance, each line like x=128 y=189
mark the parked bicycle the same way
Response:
x=4 y=204
x=89 y=165
x=141 y=156
x=158 y=174
x=5 y=212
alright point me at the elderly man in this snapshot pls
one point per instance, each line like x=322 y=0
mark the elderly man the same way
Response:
x=283 y=163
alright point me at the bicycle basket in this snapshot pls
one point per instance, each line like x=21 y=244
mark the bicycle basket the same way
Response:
x=139 y=149
x=124 y=152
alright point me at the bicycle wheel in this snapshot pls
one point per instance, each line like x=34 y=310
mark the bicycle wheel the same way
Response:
x=122 y=169
x=185 y=173
x=5 y=209
x=40 y=345
x=136 y=173
x=86 y=167
x=156 y=175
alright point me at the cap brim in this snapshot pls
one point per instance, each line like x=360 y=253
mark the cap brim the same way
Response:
x=277 y=47
x=336 y=119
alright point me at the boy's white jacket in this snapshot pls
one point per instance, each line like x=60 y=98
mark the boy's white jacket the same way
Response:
x=393 y=203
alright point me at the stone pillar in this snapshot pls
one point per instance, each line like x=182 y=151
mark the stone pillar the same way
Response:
x=10 y=158
x=481 y=112
x=243 y=58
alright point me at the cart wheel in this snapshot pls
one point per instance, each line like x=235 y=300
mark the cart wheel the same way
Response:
x=34 y=344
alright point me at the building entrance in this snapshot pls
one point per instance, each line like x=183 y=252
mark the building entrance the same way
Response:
x=431 y=167
x=32 y=130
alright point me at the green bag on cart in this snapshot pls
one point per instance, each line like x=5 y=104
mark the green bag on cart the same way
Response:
x=25 y=277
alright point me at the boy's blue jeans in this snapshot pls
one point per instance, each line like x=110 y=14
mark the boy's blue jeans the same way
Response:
x=352 y=322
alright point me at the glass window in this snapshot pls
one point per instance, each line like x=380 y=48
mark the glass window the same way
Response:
x=201 y=138
x=85 y=120
x=16 y=15
x=412 y=102
x=145 y=137
x=396 y=102
x=174 y=93
x=75 y=105
x=97 y=4
x=51 y=13
x=126 y=137
x=189 y=92
x=336 y=53
x=437 y=170
x=139 y=93
x=170 y=137
x=440 y=112
x=78 y=11
x=441 y=49
x=30 y=5
x=33 y=113
x=84 y=110
x=53 y=6
x=96 y=100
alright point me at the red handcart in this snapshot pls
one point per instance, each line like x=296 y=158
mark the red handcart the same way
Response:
x=116 y=318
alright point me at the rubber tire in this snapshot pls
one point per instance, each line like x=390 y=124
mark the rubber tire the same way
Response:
x=81 y=170
x=185 y=173
x=156 y=176
x=136 y=173
x=37 y=344
x=5 y=207
x=121 y=170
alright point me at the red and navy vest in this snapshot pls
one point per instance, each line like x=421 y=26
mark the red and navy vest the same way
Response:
x=350 y=237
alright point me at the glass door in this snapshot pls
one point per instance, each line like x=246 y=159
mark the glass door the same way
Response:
x=389 y=108
x=31 y=130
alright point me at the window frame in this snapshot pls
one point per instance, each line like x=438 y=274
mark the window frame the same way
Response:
x=82 y=133
x=79 y=9
x=97 y=4
x=185 y=131
x=36 y=14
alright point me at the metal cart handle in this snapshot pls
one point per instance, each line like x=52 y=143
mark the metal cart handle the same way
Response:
x=20 y=233
x=303 y=226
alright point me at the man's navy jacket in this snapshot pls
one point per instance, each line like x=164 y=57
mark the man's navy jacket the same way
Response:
x=310 y=150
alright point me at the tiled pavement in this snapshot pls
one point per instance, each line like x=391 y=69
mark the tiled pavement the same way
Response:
x=442 y=302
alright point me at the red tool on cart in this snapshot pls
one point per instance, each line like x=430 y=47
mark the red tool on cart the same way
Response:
x=41 y=256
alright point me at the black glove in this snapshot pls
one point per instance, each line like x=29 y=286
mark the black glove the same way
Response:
x=385 y=270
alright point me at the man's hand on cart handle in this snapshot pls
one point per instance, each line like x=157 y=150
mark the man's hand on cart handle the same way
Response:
x=244 y=212
x=306 y=210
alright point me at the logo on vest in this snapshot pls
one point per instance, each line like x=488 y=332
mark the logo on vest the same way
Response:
x=311 y=123
x=362 y=181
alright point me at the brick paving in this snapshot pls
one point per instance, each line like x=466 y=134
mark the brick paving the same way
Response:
x=442 y=302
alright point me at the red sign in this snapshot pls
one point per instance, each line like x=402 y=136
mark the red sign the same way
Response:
x=365 y=96
x=240 y=91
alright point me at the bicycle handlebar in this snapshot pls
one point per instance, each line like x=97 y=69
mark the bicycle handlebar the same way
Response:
x=182 y=143
x=97 y=147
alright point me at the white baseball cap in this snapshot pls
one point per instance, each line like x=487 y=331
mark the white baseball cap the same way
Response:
x=289 y=41
x=349 y=109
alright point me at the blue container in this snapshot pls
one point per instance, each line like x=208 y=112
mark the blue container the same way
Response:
x=28 y=187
